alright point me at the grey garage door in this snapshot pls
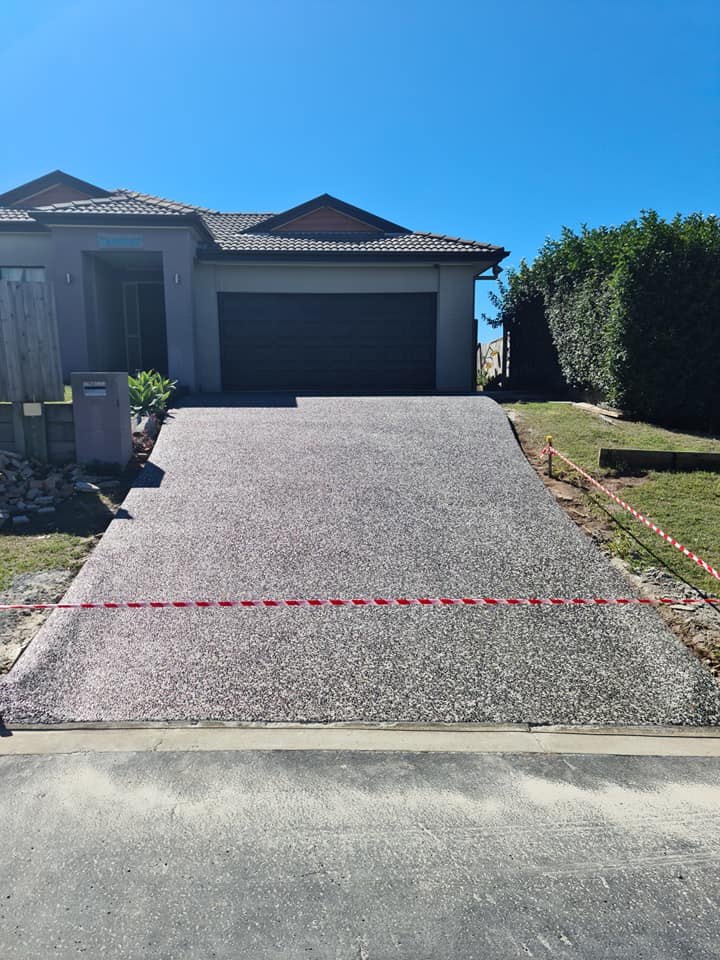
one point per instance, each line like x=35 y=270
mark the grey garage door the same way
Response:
x=329 y=341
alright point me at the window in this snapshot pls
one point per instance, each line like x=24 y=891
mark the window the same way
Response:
x=22 y=273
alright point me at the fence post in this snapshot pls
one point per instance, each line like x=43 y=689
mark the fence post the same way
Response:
x=30 y=431
x=548 y=444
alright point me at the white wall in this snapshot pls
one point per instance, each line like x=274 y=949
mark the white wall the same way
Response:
x=453 y=285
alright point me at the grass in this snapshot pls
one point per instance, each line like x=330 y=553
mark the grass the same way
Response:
x=686 y=505
x=67 y=396
x=62 y=543
x=51 y=551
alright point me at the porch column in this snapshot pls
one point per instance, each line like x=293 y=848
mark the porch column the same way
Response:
x=70 y=288
x=178 y=262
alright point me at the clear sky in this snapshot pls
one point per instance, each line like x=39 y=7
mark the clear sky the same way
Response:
x=497 y=121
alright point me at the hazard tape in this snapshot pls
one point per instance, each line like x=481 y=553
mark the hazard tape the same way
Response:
x=414 y=601
x=638 y=516
x=365 y=602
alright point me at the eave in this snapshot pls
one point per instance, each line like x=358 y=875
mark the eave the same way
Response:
x=137 y=220
x=488 y=257
x=22 y=226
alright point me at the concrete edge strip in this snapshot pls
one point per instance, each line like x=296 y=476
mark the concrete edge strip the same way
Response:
x=420 y=738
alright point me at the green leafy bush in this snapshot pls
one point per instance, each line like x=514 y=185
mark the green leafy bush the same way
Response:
x=634 y=313
x=150 y=393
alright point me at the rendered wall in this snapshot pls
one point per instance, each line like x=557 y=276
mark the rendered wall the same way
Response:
x=82 y=346
x=456 y=332
x=191 y=297
x=453 y=284
x=26 y=250
x=101 y=411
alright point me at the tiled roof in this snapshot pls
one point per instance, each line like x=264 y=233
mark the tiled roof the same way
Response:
x=10 y=214
x=122 y=201
x=225 y=226
x=229 y=230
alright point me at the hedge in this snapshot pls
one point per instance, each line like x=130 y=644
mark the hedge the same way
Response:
x=634 y=313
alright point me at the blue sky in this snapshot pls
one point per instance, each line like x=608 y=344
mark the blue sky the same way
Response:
x=499 y=122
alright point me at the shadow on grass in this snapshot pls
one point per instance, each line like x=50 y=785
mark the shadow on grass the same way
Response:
x=89 y=514
x=511 y=398
x=83 y=515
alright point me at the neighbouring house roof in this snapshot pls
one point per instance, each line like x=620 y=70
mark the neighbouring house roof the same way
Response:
x=323 y=227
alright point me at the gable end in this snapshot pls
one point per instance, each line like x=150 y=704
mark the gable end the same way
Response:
x=326 y=219
x=55 y=187
x=329 y=210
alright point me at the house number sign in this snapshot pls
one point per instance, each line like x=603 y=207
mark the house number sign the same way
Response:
x=94 y=388
x=118 y=241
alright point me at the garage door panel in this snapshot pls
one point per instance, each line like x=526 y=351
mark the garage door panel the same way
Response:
x=327 y=341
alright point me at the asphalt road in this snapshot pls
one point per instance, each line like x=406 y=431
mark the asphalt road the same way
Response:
x=359 y=856
x=350 y=497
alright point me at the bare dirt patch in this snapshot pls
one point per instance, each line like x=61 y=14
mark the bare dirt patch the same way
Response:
x=17 y=628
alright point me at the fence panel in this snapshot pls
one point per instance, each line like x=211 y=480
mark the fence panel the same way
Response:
x=30 y=367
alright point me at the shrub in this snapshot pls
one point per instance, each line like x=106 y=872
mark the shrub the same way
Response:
x=150 y=393
x=665 y=321
x=634 y=313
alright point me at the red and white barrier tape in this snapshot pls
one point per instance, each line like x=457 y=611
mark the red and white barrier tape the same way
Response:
x=364 y=602
x=638 y=516
x=416 y=601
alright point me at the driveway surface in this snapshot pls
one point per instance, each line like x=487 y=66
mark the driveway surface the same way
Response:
x=359 y=856
x=413 y=496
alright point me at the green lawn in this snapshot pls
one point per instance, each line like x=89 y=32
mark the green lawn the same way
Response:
x=61 y=543
x=50 y=551
x=67 y=396
x=686 y=505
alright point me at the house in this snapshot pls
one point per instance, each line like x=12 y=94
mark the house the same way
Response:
x=322 y=297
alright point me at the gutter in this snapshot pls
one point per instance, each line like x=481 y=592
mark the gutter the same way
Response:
x=216 y=255
x=22 y=226
x=137 y=220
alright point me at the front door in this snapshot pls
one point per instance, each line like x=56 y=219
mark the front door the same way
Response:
x=145 y=331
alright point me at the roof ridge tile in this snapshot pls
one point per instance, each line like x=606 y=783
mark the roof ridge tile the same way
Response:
x=164 y=201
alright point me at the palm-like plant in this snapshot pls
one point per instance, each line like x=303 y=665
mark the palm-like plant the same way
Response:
x=150 y=393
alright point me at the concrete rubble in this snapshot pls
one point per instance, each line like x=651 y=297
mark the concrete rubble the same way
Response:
x=28 y=488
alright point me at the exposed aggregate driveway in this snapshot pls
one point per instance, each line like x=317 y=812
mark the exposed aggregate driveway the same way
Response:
x=413 y=496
